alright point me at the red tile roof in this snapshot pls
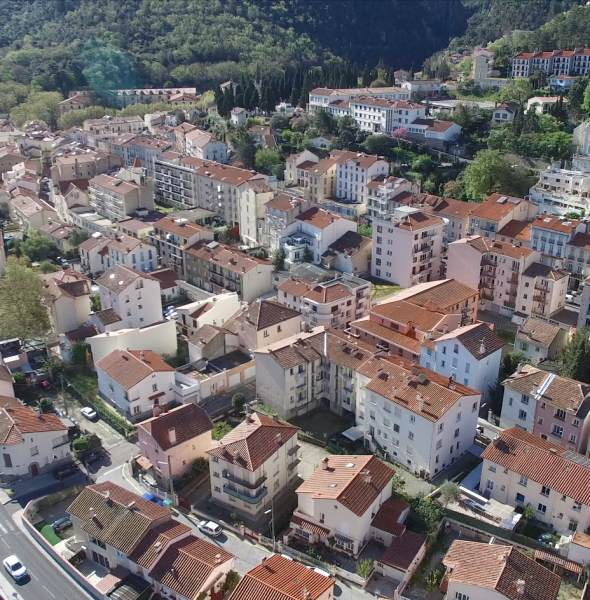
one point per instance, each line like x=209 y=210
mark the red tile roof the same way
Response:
x=518 y=230
x=388 y=516
x=318 y=217
x=226 y=256
x=403 y=550
x=129 y=367
x=309 y=526
x=15 y=421
x=167 y=278
x=556 y=223
x=492 y=210
x=418 y=221
x=146 y=552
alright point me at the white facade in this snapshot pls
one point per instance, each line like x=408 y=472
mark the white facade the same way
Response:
x=354 y=172
x=212 y=311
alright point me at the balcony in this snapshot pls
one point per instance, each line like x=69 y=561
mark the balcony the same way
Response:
x=509 y=304
x=293 y=464
x=542 y=287
x=249 y=499
x=540 y=299
x=486 y=295
x=293 y=450
x=243 y=482
x=538 y=311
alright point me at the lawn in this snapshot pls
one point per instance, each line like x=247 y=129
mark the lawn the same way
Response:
x=47 y=532
x=321 y=421
x=164 y=209
x=381 y=289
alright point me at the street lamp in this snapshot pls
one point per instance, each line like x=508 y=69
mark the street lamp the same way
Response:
x=271 y=511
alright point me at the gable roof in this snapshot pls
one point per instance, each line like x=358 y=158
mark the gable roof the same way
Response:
x=355 y=481
x=146 y=552
x=167 y=278
x=350 y=243
x=266 y=313
x=108 y=316
x=279 y=578
x=454 y=208
x=518 y=230
x=555 y=223
x=295 y=286
x=478 y=339
x=18 y=420
x=253 y=441
x=225 y=256
x=67 y=283
x=405 y=312
x=388 y=516
x=492 y=210
x=188 y=422
x=539 y=270
x=318 y=217
x=118 y=277
x=129 y=367
x=499 y=567
x=538 y=332
x=443 y=295
x=417 y=221
x=403 y=550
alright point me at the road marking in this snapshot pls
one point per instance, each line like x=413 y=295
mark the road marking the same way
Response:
x=33 y=575
x=104 y=427
x=9 y=526
x=3 y=529
x=5 y=542
x=48 y=592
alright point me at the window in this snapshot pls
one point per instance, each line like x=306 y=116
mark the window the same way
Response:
x=520 y=498
x=136 y=410
x=493 y=468
x=456 y=433
x=456 y=349
x=410 y=435
x=7 y=460
x=34 y=451
x=577 y=506
x=576 y=422
x=460 y=596
x=467 y=367
x=523 y=481
x=412 y=418
x=573 y=438
x=396 y=428
x=545 y=491
x=557 y=430
x=154 y=387
x=560 y=414
x=455 y=363
x=439 y=444
x=524 y=399
x=573 y=526
x=522 y=415
x=265 y=333
x=542 y=508
x=540 y=420
x=441 y=426
x=474 y=407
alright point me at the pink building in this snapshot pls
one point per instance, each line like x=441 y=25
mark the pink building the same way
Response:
x=552 y=407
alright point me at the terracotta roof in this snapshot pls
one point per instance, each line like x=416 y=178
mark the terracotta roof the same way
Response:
x=326 y=294
x=67 y=283
x=266 y=313
x=492 y=210
x=279 y=578
x=121 y=520
x=581 y=240
x=188 y=422
x=226 y=257
x=402 y=550
x=455 y=208
x=507 y=249
x=148 y=549
x=295 y=286
x=93 y=242
x=500 y=568
x=518 y=230
x=186 y=229
x=253 y=441
x=167 y=278
x=355 y=481
x=57 y=230
x=124 y=243
x=113 y=184
x=388 y=516
x=16 y=421
x=186 y=565
x=227 y=173
x=81 y=333
x=360 y=159
x=556 y=223
x=561 y=392
x=118 y=277
x=539 y=270
x=417 y=221
x=127 y=367
x=108 y=316
x=318 y=217
x=284 y=202
x=538 y=332
x=205 y=334
x=290 y=354
x=306 y=164
x=309 y=526
x=390 y=335
x=542 y=461
x=321 y=167
x=442 y=295
x=581 y=539
x=416 y=388
x=472 y=337
x=405 y=312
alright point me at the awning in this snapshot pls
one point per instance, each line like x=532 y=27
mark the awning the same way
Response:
x=353 y=434
x=143 y=463
x=158 y=395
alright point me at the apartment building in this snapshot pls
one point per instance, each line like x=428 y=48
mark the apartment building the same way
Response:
x=484 y=570
x=331 y=304
x=133 y=381
x=309 y=370
x=408 y=248
x=414 y=416
x=538 y=340
x=212 y=311
x=357 y=486
x=551 y=235
x=29 y=211
x=281 y=214
x=202 y=144
x=293 y=161
x=127 y=97
x=253 y=463
x=517 y=233
x=494 y=268
x=108 y=124
x=554 y=481
x=91 y=259
x=456 y=215
x=335 y=101
x=315 y=229
x=82 y=164
x=577 y=258
x=143 y=148
x=173 y=237
x=33 y=443
x=382 y=115
x=496 y=211
x=584 y=314
x=549 y=406
x=382 y=190
x=351 y=253
x=353 y=173
x=252 y=210
x=68 y=294
x=133 y=296
x=214 y=267
x=555 y=62
x=127 y=252
x=67 y=196
x=542 y=291
x=317 y=180
x=116 y=199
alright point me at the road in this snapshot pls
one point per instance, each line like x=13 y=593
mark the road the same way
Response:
x=46 y=580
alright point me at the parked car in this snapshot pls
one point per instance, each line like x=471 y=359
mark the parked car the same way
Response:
x=210 y=528
x=61 y=524
x=93 y=456
x=46 y=385
x=15 y=567
x=89 y=413
x=153 y=499
x=474 y=506
x=65 y=471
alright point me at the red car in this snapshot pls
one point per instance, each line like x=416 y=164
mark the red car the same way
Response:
x=46 y=385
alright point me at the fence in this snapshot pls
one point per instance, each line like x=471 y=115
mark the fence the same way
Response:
x=155 y=490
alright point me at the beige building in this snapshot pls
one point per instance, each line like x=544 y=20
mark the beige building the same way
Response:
x=204 y=145
x=214 y=267
x=59 y=234
x=76 y=102
x=496 y=211
x=30 y=212
x=68 y=197
x=69 y=300
x=253 y=463
x=538 y=340
x=252 y=210
x=542 y=291
x=83 y=164
x=292 y=177
x=116 y=199
x=9 y=157
x=172 y=440
x=350 y=254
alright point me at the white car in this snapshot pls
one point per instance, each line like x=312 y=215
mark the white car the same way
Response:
x=89 y=413
x=210 y=528
x=15 y=567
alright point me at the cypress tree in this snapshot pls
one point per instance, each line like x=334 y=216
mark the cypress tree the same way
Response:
x=366 y=80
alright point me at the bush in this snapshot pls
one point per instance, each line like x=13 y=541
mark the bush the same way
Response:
x=201 y=464
x=86 y=442
x=239 y=401
x=221 y=429
x=19 y=378
x=231 y=581
x=46 y=405
x=364 y=567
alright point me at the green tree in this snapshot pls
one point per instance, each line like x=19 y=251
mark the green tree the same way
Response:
x=231 y=581
x=366 y=76
x=266 y=158
x=246 y=151
x=307 y=255
x=220 y=430
x=378 y=144
x=77 y=237
x=78 y=353
x=279 y=259
x=75 y=118
x=422 y=164
x=324 y=122
x=39 y=106
x=48 y=267
x=238 y=401
x=489 y=172
x=575 y=357
x=378 y=83
x=517 y=90
x=23 y=302
x=364 y=567
x=397 y=483
x=586 y=102
x=39 y=248
x=450 y=492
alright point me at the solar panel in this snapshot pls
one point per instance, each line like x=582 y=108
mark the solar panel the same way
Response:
x=577 y=458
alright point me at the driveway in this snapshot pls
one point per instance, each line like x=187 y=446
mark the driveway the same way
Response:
x=222 y=402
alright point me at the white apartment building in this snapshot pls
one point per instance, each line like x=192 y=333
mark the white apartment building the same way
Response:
x=354 y=171
x=332 y=100
x=557 y=62
x=577 y=259
x=116 y=199
x=281 y=213
x=253 y=463
x=293 y=161
x=551 y=236
x=30 y=212
x=212 y=311
x=470 y=355
x=331 y=304
x=415 y=416
x=584 y=315
x=134 y=381
x=381 y=190
x=133 y=296
x=128 y=252
x=549 y=478
x=144 y=148
x=381 y=115
x=32 y=442
x=496 y=211
x=340 y=499
x=172 y=237
x=542 y=291
x=91 y=258
x=408 y=248
x=68 y=195
x=202 y=144
x=108 y=124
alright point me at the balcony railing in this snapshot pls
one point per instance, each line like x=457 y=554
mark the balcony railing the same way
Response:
x=293 y=464
x=509 y=304
x=293 y=450
x=249 y=499
x=243 y=482
x=541 y=287
x=540 y=299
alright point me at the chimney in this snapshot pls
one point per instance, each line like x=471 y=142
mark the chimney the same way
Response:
x=275 y=417
x=445 y=328
x=141 y=355
x=107 y=497
x=218 y=559
x=519 y=369
x=553 y=450
x=38 y=413
x=165 y=407
x=306 y=594
x=482 y=347
x=156 y=411
x=91 y=513
x=173 y=571
x=367 y=477
x=535 y=389
x=172 y=435
x=572 y=403
x=420 y=399
x=429 y=334
x=278 y=438
x=264 y=562
x=325 y=463
x=451 y=383
x=520 y=587
x=408 y=380
x=380 y=373
x=393 y=392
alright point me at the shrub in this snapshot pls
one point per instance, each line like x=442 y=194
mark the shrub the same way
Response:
x=86 y=442
x=364 y=567
x=201 y=464
x=239 y=401
x=221 y=429
x=19 y=378
x=231 y=581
